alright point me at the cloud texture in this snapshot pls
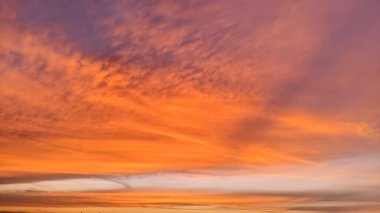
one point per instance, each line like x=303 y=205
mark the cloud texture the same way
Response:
x=126 y=93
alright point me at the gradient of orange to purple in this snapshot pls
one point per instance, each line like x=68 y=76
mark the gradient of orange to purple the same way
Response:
x=190 y=106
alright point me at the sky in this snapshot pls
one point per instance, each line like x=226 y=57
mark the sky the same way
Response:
x=161 y=106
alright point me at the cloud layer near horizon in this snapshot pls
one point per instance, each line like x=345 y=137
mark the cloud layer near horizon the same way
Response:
x=222 y=88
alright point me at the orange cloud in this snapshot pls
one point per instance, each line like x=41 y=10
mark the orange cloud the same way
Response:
x=126 y=88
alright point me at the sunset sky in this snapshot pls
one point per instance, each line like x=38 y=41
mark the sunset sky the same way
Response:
x=206 y=106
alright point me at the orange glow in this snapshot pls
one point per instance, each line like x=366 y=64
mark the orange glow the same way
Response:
x=228 y=105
